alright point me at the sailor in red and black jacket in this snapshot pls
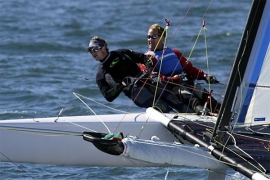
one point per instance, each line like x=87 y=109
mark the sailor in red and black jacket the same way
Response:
x=170 y=63
x=118 y=71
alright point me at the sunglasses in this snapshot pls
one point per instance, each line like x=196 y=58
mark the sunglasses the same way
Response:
x=94 y=49
x=155 y=36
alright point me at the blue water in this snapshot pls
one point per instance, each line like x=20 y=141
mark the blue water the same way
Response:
x=43 y=59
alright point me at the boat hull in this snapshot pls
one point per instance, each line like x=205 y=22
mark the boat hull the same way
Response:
x=59 y=141
x=45 y=141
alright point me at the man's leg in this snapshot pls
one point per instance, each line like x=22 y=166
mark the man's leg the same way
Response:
x=142 y=97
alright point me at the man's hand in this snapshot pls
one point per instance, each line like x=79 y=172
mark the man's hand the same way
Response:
x=211 y=79
x=150 y=62
x=155 y=78
x=128 y=81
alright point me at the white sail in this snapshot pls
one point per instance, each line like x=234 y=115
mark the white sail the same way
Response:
x=254 y=92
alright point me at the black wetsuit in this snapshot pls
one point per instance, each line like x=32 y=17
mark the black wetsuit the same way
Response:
x=122 y=63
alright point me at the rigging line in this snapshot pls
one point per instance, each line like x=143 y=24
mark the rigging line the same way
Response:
x=180 y=25
x=234 y=142
x=124 y=117
x=177 y=146
x=41 y=131
x=124 y=112
x=161 y=60
x=260 y=170
x=200 y=30
x=162 y=57
x=212 y=120
x=240 y=88
x=129 y=107
x=79 y=125
x=212 y=158
x=176 y=84
x=206 y=49
x=75 y=94
x=168 y=22
x=158 y=75
x=182 y=20
x=207 y=61
x=56 y=120
x=191 y=87
x=245 y=39
x=193 y=47
x=60 y=112
x=132 y=103
x=147 y=119
x=225 y=147
x=166 y=29
x=18 y=166
x=185 y=17
x=91 y=99
x=252 y=138
x=257 y=132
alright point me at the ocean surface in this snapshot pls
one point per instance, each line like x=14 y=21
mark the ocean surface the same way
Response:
x=43 y=60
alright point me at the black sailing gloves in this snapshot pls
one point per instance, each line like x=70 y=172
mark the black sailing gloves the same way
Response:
x=128 y=81
x=210 y=79
x=150 y=62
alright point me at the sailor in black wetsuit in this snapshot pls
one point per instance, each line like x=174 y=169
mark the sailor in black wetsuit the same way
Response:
x=119 y=72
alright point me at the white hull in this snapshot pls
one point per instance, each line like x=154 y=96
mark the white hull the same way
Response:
x=22 y=140
x=170 y=154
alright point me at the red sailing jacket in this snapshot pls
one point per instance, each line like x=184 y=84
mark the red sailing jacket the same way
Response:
x=188 y=67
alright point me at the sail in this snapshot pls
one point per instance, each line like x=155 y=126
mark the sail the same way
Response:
x=242 y=103
x=254 y=92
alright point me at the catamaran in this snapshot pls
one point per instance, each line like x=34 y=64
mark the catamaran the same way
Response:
x=237 y=138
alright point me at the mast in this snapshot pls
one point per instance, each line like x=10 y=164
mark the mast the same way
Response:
x=239 y=68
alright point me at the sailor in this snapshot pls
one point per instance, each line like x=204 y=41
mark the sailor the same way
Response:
x=118 y=72
x=180 y=72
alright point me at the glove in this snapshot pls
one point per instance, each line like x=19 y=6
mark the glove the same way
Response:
x=128 y=81
x=150 y=62
x=154 y=78
x=164 y=78
x=142 y=67
x=211 y=79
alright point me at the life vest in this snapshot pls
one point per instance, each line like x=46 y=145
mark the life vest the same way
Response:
x=170 y=62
